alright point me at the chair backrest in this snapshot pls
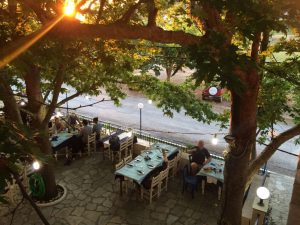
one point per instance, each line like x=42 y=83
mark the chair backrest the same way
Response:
x=130 y=142
x=127 y=159
x=172 y=163
x=123 y=146
x=191 y=158
x=92 y=138
x=119 y=165
x=164 y=174
x=185 y=172
x=155 y=181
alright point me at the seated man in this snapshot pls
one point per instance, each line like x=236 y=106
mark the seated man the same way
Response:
x=59 y=126
x=84 y=132
x=80 y=140
x=73 y=120
x=200 y=157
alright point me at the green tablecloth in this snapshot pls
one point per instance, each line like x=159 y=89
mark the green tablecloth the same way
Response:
x=146 y=166
x=216 y=172
x=61 y=137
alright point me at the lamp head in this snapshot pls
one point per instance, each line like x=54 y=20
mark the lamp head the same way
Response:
x=36 y=165
x=140 y=105
x=263 y=193
x=214 y=140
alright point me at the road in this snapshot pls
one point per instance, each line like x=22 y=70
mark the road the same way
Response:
x=181 y=128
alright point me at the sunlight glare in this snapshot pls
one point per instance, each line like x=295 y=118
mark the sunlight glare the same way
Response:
x=80 y=17
x=69 y=8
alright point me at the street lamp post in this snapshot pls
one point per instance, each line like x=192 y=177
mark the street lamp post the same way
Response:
x=140 y=106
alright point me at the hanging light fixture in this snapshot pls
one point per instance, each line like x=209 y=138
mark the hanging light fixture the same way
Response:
x=215 y=140
x=36 y=165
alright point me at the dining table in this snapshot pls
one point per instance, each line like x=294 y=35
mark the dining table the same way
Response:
x=147 y=161
x=214 y=173
x=62 y=140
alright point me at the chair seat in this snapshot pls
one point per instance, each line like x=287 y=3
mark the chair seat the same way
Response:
x=191 y=180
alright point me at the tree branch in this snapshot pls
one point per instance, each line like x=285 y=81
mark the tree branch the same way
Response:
x=69 y=98
x=152 y=13
x=127 y=15
x=58 y=81
x=102 y=3
x=271 y=148
x=92 y=104
x=10 y=105
x=73 y=29
x=37 y=9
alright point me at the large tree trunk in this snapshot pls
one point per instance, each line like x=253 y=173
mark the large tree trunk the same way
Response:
x=243 y=129
x=37 y=107
x=47 y=170
x=169 y=73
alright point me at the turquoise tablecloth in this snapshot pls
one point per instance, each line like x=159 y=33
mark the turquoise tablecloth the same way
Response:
x=146 y=166
x=61 y=137
x=217 y=173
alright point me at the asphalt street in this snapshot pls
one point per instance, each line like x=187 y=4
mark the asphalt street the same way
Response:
x=180 y=128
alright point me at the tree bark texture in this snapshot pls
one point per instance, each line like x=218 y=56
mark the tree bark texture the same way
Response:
x=36 y=106
x=169 y=73
x=243 y=129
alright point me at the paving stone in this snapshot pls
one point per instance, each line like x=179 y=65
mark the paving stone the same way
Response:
x=101 y=208
x=78 y=211
x=188 y=212
x=74 y=220
x=92 y=200
x=91 y=206
x=63 y=213
x=172 y=219
x=91 y=215
x=116 y=220
x=107 y=203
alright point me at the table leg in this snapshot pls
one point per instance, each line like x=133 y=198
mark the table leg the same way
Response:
x=121 y=188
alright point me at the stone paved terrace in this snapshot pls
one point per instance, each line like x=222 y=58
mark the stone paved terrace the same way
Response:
x=93 y=198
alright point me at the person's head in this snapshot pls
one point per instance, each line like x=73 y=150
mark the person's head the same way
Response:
x=56 y=120
x=95 y=120
x=84 y=122
x=200 y=144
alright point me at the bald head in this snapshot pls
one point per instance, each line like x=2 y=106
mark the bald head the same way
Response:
x=200 y=144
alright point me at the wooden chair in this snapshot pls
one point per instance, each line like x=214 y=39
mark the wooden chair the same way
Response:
x=91 y=143
x=123 y=183
x=127 y=159
x=189 y=182
x=119 y=165
x=129 y=146
x=153 y=191
x=117 y=156
x=107 y=152
x=164 y=176
x=172 y=166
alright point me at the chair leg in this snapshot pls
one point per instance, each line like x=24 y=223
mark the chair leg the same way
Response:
x=219 y=193
x=203 y=186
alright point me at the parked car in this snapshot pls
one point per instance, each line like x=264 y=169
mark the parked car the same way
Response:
x=213 y=93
